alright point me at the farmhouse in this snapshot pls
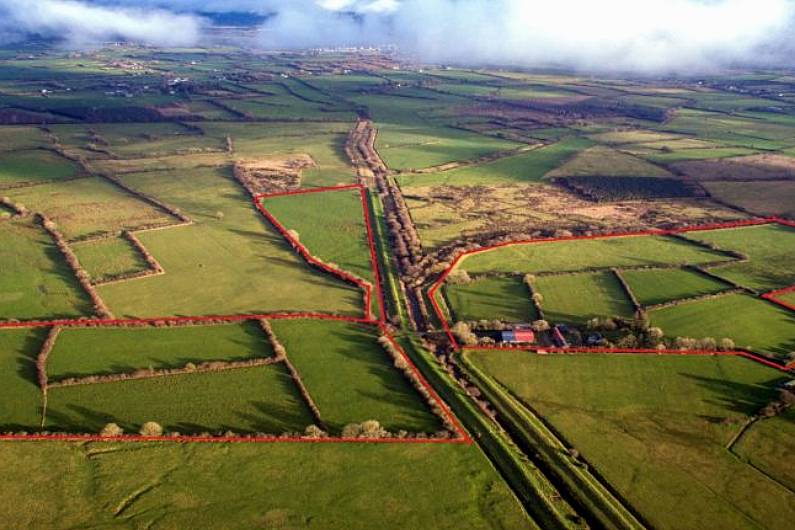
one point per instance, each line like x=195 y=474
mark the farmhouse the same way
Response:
x=518 y=336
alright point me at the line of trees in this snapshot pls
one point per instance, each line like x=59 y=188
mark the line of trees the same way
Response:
x=83 y=277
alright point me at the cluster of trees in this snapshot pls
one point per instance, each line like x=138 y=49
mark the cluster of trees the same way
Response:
x=786 y=399
x=703 y=344
x=261 y=179
x=83 y=277
x=604 y=189
x=146 y=373
x=400 y=362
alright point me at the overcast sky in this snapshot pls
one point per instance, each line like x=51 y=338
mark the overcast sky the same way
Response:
x=639 y=35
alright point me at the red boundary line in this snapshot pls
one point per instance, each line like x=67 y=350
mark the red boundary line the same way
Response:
x=462 y=436
x=432 y=292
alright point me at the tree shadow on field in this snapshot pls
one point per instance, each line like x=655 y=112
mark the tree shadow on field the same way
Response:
x=276 y=418
x=81 y=419
x=26 y=358
x=740 y=398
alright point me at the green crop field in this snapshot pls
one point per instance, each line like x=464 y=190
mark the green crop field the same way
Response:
x=771 y=253
x=749 y=321
x=82 y=352
x=658 y=286
x=577 y=298
x=106 y=259
x=351 y=378
x=331 y=225
x=34 y=166
x=243 y=486
x=20 y=395
x=501 y=298
x=223 y=264
x=35 y=281
x=261 y=399
x=656 y=428
x=89 y=206
x=569 y=256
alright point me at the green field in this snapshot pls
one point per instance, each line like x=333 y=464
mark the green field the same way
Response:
x=261 y=399
x=656 y=429
x=351 y=378
x=658 y=286
x=20 y=396
x=603 y=161
x=35 y=166
x=232 y=263
x=97 y=351
x=520 y=168
x=36 y=282
x=331 y=225
x=106 y=259
x=501 y=298
x=771 y=252
x=570 y=256
x=763 y=198
x=244 y=486
x=577 y=298
x=750 y=322
x=89 y=206
x=768 y=445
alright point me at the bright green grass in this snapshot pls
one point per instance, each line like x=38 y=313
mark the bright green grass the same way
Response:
x=35 y=281
x=749 y=321
x=261 y=399
x=350 y=376
x=237 y=264
x=521 y=168
x=35 y=166
x=20 y=396
x=89 y=206
x=331 y=225
x=576 y=298
x=771 y=249
x=769 y=445
x=567 y=256
x=93 y=351
x=245 y=486
x=109 y=258
x=653 y=426
x=502 y=298
x=658 y=286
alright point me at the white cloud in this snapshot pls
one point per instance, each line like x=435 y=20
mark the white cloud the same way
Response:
x=81 y=23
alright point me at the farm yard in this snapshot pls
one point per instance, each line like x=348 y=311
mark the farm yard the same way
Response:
x=189 y=240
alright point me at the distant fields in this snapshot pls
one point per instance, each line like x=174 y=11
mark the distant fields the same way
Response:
x=34 y=166
x=656 y=429
x=763 y=198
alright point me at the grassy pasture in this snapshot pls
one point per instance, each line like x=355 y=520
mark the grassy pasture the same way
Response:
x=519 y=169
x=82 y=352
x=350 y=376
x=577 y=298
x=761 y=198
x=656 y=429
x=261 y=399
x=18 y=138
x=242 y=486
x=108 y=258
x=89 y=206
x=570 y=256
x=233 y=264
x=331 y=225
x=750 y=322
x=503 y=298
x=635 y=136
x=771 y=249
x=35 y=166
x=20 y=396
x=36 y=282
x=603 y=161
x=768 y=445
x=652 y=287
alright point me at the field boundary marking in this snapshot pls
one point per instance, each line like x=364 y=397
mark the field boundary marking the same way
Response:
x=437 y=285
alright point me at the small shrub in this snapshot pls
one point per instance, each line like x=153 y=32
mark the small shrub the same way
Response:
x=110 y=430
x=151 y=428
